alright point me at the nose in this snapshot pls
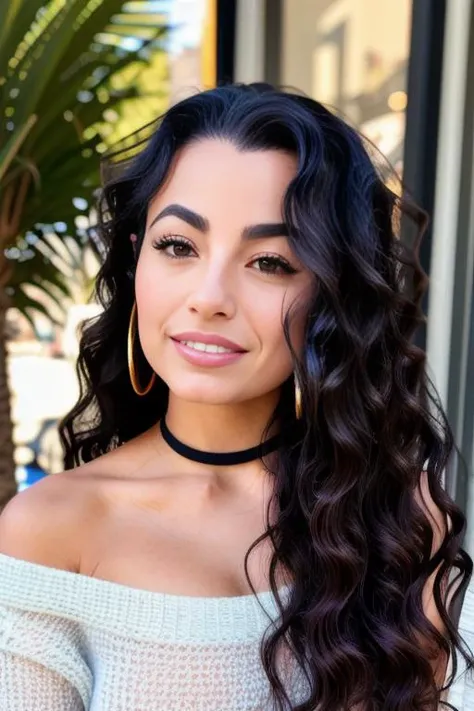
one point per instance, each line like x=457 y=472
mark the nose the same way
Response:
x=212 y=293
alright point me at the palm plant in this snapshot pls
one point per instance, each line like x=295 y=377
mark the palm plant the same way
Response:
x=66 y=67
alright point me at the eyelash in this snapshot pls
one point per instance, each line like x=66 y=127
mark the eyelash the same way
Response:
x=173 y=240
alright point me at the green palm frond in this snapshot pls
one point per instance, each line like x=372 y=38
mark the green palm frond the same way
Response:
x=63 y=65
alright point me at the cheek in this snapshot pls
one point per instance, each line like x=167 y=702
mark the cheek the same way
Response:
x=267 y=321
x=153 y=289
x=155 y=300
x=145 y=275
x=293 y=307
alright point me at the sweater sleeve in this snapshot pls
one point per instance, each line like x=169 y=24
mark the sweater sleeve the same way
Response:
x=42 y=664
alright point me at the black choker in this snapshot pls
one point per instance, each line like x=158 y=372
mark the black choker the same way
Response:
x=218 y=458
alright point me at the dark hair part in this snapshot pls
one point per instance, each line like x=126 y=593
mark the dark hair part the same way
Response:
x=349 y=529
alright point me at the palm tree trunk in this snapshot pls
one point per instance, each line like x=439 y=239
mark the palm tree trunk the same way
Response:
x=8 y=486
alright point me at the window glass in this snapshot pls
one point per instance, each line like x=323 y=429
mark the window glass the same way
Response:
x=352 y=55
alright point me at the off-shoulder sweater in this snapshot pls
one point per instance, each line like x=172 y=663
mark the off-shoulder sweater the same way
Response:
x=69 y=642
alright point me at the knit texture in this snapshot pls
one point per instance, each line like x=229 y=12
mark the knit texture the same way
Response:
x=69 y=642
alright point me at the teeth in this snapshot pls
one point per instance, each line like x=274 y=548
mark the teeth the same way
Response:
x=207 y=347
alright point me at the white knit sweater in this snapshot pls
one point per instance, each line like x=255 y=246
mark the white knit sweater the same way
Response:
x=69 y=642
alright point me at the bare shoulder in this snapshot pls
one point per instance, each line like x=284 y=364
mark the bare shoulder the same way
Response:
x=43 y=524
x=50 y=522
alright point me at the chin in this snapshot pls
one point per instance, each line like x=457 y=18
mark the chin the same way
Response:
x=204 y=393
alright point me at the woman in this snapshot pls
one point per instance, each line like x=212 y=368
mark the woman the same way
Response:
x=252 y=515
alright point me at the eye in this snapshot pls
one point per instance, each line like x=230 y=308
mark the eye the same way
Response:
x=271 y=264
x=179 y=246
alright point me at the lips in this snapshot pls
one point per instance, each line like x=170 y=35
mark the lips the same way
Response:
x=207 y=359
x=209 y=338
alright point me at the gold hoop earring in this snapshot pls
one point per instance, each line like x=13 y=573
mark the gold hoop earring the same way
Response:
x=298 y=404
x=131 y=365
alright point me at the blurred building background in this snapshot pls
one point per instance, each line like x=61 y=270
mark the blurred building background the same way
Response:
x=403 y=73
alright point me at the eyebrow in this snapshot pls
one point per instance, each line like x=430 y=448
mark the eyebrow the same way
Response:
x=271 y=229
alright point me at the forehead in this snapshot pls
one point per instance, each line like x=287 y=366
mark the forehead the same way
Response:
x=213 y=175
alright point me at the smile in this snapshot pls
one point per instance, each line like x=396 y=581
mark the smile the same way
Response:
x=208 y=355
x=207 y=347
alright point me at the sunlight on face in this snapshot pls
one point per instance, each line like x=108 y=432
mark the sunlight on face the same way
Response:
x=215 y=260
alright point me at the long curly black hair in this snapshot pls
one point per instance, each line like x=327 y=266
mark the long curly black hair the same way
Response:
x=349 y=529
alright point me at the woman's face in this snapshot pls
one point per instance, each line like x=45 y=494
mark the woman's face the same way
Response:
x=215 y=262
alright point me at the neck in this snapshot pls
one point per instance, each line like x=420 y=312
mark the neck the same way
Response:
x=221 y=428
